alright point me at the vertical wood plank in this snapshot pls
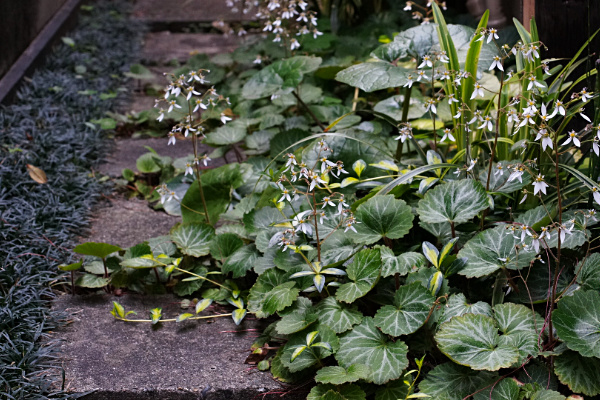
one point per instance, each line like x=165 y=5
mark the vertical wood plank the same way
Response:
x=528 y=12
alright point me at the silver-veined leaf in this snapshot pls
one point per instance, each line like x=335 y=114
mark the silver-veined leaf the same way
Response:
x=332 y=392
x=408 y=313
x=241 y=261
x=365 y=344
x=338 y=316
x=577 y=322
x=338 y=375
x=457 y=305
x=382 y=217
x=457 y=202
x=473 y=340
x=193 y=238
x=401 y=264
x=450 y=381
x=581 y=374
x=363 y=273
x=493 y=249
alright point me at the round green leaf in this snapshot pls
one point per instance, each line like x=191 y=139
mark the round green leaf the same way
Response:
x=581 y=374
x=147 y=163
x=224 y=245
x=338 y=316
x=589 y=272
x=394 y=390
x=300 y=317
x=241 y=261
x=372 y=76
x=457 y=305
x=450 y=381
x=363 y=272
x=310 y=356
x=91 y=281
x=506 y=389
x=365 y=344
x=393 y=107
x=331 y=392
x=70 y=267
x=402 y=264
x=577 y=322
x=382 y=217
x=339 y=375
x=100 y=250
x=473 y=340
x=225 y=135
x=412 y=304
x=492 y=249
x=457 y=202
x=193 y=238
x=280 y=297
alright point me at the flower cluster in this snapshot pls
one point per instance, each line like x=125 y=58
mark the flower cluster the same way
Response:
x=285 y=19
x=423 y=12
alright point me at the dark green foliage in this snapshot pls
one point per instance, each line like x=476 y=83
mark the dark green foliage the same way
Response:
x=45 y=127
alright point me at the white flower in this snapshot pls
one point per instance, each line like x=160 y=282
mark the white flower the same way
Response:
x=497 y=63
x=492 y=34
x=426 y=62
x=161 y=115
x=171 y=138
x=545 y=137
x=442 y=57
x=188 y=128
x=452 y=99
x=431 y=106
x=595 y=147
x=405 y=133
x=478 y=91
x=408 y=6
x=322 y=216
x=285 y=196
x=499 y=170
x=189 y=170
x=572 y=137
x=448 y=135
x=517 y=173
x=190 y=92
x=224 y=118
x=533 y=82
x=421 y=74
x=315 y=179
x=585 y=95
x=301 y=223
x=472 y=165
x=527 y=118
x=513 y=116
x=409 y=82
x=257 y=60
x=294 y=44
x=531 y=107
x=327 y=202
x=539 y=185
x=584 y=116
x=560 y=107
x=596 y=194
x=545 y=117
x=487 y=121
x=173 y=104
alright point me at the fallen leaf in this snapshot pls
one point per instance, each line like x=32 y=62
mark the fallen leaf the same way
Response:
x=37 y=174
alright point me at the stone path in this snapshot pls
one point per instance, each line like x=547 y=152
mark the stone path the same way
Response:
x=114 y=360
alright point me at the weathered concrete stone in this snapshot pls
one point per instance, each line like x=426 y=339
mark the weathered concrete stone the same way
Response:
x=151 y=11
x=126 y=223
x=127 y=151
x=162 y=47
x=188 y=360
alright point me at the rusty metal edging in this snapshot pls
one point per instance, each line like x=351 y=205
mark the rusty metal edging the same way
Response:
x=33 y=54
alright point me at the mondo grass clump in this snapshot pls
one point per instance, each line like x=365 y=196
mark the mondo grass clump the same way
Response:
x=48 y=127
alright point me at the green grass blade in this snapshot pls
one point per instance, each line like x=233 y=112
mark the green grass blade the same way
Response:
x=404 y=179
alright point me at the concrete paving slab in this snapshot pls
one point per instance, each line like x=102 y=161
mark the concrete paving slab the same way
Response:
x=162 y=47
x=188 y=360
x=127 y=151
x=126 y=223
x=152 y=11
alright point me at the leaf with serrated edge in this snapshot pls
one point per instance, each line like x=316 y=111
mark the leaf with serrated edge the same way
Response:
x=473 y=340
x=265 y=283
x=312 y=355
x=241 y=261
x=338 y=316
x=347 y=392
x=363 y=272
x=517 y=324
x=402 y=264
x=365 y=344
x=588 y=272
x=457 y=201
x=581 y=374
x=193 y=238
x=506 y=389
x=577 y=322
x=338 y=375
x=371 y=76
x=450 y=381
x=393 y=390
x=487 y=250
x=457 y=305
x=412 y=304
x=382 y=216
x=280 y=297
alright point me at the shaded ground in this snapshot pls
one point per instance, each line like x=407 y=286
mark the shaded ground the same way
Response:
x=184 y=360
